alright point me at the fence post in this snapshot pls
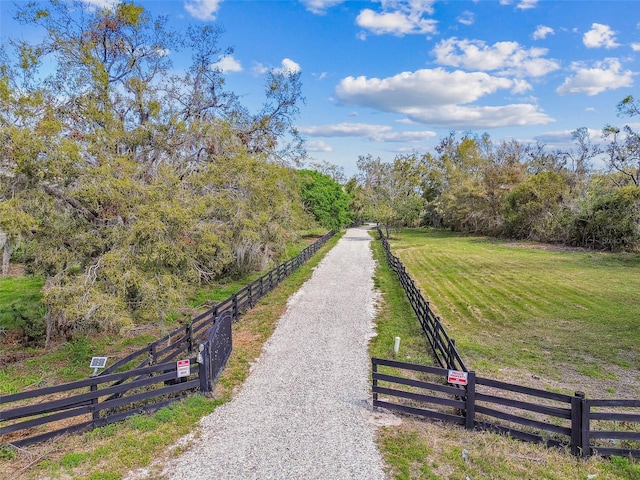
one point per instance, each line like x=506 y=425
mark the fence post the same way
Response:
x=94 y=401
x=577 y=406
x=189 y=333
x=374 y=370
x=204 y=362
x=234 y=308
x=470 y=401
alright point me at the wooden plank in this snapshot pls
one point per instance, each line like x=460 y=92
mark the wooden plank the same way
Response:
x=534 y=392
x=618 y=452
x=147 y=395
x=24 y=442
x=46 y=419
x=70 y=402
x=410 y=382
x=421 y=412
x=617 y=417
x=420 y=397
x=411 y=366
x=520 y=435
x=547 y=427
x=614 y=403
x=558 y=412
x=612 y=434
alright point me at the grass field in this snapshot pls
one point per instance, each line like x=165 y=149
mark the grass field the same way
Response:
x=453 y=271
x=569 y=317
x=19 y=297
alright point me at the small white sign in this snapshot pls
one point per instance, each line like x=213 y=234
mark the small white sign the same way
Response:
x=183 y=368
x=457 y=378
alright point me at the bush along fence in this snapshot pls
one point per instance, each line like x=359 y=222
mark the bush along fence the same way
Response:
x=454 y=394
x=187 y=360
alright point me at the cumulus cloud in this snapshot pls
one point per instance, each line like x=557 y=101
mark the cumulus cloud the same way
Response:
x=320 y=7
x=543 y=32
x=317 y=146
x=399 y=17
x=436 y=97
x=227 y=64
x=635 y=47
x=509 y=58
x=376 y=133
x=600 y=36
x=202 y=9
x=602 y=76
x=288 y=66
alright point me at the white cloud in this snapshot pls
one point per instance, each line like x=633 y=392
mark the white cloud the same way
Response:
x=259 y=68
x=202 y=9
x=459 y=117
x=319 y=7
x=600 y=36
x=376 y=133
x=467 y=18
x=509 y=58
x=227 y=64
x=288 y=66
x=100 y=3
x=604 y=75
x=527 y=4
x=543 y=32
x=635 y=47
x=398 y=17
x=436 y=97
x=317 y=146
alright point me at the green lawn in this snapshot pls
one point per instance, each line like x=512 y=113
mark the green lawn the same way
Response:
x=544 y=311
x=19 y=297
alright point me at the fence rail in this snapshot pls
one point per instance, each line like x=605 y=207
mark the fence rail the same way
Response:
x=529 y=414
x=443 y=347
x=145 y=380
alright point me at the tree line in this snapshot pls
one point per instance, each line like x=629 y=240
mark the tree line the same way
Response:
x=127 y=183
x=472 y=184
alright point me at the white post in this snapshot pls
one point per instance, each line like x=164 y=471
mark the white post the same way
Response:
x=396 y=346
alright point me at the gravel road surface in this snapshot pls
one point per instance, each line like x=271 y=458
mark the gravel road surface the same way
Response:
x=304 y=411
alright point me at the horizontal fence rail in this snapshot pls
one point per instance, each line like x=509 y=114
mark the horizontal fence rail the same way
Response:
x=145 y=380
x=529 y=414
x=443 y=347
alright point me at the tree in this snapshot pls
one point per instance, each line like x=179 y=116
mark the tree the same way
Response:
x=624 y=146
x=136 y=183
x=533 y=208
x=392 y=191
x=325 y=199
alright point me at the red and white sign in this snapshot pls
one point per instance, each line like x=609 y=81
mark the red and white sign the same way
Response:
x=457 y=378
x=184 y=368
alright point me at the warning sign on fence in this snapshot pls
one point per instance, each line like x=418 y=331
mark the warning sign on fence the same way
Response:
x=457 y=378
x=184 y=368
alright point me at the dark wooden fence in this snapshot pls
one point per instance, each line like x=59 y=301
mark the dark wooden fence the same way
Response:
x=443 y=347
x=147 y=379
x=529 y=414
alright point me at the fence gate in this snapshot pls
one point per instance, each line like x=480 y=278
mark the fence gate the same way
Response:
x=215 y=351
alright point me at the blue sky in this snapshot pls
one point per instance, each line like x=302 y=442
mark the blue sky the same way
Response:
x=389 y=77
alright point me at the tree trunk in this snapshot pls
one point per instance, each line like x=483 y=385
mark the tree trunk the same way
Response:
x=6 y=252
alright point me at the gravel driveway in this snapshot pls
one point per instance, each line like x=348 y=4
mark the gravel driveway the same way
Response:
x=304 y=411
